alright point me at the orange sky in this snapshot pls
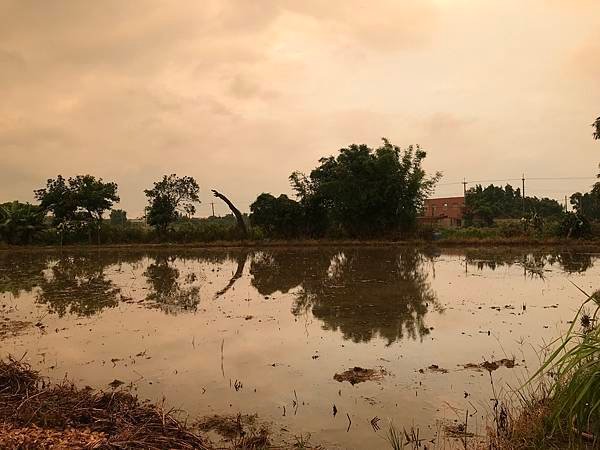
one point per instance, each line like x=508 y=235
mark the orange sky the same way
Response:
x=240 y=93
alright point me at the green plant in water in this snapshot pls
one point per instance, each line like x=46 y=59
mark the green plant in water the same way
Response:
x=574 y=366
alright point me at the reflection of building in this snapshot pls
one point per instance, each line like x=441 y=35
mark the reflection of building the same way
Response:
x=445 y=211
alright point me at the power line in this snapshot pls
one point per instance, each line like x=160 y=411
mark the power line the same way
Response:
x=515 y=179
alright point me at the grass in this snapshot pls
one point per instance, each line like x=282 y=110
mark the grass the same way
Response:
x=575 y=369
x=30 y=407
x=37 y=414
x=559 y=405
x=394 y=438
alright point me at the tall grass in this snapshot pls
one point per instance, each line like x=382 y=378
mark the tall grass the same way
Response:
x=574 y=368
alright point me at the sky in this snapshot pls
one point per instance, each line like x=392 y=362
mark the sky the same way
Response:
x=239 y=93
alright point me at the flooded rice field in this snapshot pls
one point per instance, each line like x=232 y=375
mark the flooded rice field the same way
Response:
x=335 y=342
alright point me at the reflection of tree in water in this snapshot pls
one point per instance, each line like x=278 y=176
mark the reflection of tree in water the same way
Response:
x=21 y=271
x=168 y=292
x=240 y=260
x=533 y=263
x=361 y=292
x=77 y=285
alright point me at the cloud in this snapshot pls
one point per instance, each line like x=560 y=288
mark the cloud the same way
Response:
x=240 y=93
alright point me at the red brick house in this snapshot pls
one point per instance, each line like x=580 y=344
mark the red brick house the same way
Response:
x=445 y=211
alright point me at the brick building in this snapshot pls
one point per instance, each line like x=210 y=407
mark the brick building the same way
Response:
x=445 y=211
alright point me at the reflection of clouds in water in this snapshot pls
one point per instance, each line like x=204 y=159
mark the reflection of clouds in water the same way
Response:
x=337 y=266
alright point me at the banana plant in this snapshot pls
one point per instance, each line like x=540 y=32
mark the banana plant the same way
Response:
x=19 y=222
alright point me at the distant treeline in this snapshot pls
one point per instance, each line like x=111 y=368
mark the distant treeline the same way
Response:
x=484 y=205
x=362 y=192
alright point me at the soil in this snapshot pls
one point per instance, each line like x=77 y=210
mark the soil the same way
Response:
x=490 y=366
x=359 y=375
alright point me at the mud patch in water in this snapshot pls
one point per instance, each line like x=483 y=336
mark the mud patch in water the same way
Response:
x=490 y=366
x=359 y=375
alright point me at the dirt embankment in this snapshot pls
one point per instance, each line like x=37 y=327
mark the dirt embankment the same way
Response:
x=591 y=244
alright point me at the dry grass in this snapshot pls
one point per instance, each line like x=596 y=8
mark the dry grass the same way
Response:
x=36 y=414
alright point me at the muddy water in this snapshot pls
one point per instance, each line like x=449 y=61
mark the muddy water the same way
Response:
x=221 y=332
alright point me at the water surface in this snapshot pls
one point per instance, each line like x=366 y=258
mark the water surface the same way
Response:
x=228 y=331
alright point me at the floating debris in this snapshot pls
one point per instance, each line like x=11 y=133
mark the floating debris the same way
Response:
x=115 y=383
x=434 y=368
x=359 y=375
x=490 y=366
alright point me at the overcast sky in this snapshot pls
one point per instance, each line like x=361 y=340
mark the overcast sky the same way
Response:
x=240 y=93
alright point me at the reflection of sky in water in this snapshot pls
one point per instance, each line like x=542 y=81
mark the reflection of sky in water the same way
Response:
x=288 y=321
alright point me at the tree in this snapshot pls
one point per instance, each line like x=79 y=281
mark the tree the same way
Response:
x=19 y=222
x=81 y=199
x=94 y=197
x=277 y=216
x=118 y=217
x=596 y=126
x=365 y=191
x=59 y=199
x=236 y=212
x=483 y=205
x=169 y=199
x=574 y=225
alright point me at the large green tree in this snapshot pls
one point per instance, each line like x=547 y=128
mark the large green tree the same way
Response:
x=94 y=197
x=365 y=191
x=277 y=216
x=83 y=198
x=59 y=199
x=170 y=198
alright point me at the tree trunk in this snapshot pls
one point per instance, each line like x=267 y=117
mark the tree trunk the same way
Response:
x=236 y=212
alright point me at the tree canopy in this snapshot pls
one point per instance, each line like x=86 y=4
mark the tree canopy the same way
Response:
x=82 y=199
x=596 y=126
x=483 y=205
x=277 y=216
x=364 y=190
x=118 y=217
x=170 y=198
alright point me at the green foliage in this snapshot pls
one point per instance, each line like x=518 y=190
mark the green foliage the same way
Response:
x=277 y=216
x=93 y=195
x=171 y=198
x=484 y=205
x=161 y=213
x=574 y=225
x=77 y=202
x=20 y=222
x=588 y=203
x=364 y=191
x=118 y=217
x=59 y=199
x=596 y=126
x=574 y=365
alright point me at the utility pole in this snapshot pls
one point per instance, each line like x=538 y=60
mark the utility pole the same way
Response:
x=565 y=203
x=464 y=183
x=523 y=193
x=212 y=204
